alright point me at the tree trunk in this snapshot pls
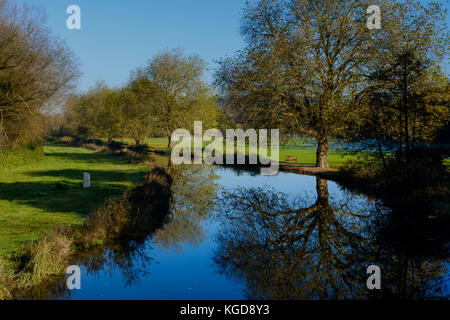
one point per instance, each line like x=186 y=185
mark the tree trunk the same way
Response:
x=171 y=144
x=405 y=108
x=323 y=197
x=380 y=152
x=138 y=141
x=322 y=153
x=109 y=140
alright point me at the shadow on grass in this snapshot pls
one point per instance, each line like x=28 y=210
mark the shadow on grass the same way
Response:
x=66 y=195
x=86 y=157
x=164 y=153
x=97 y=176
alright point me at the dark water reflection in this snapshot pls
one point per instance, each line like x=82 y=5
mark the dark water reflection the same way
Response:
x=238 y=235
x=283 y=248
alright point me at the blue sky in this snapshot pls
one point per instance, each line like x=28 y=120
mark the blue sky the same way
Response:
x=117 y=35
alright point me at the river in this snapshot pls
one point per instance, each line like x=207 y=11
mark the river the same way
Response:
x=239 y=235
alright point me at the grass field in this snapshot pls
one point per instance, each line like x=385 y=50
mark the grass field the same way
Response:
x=37 y=196
x=305 y=155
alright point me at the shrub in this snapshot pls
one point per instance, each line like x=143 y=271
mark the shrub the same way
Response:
x=95 y=141
x=142 y=148
x=115 y=145
x=423 y=178
x=139 y=212
x=20 y=156
x=67 y=140
x=6 y=281
x=97 y=148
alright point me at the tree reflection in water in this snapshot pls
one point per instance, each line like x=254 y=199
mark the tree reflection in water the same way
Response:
x=194 y=192
x=413 y=254
x=131 y=258
x=281 y=249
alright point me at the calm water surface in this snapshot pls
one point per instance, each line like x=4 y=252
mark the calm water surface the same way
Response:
x=281 y=237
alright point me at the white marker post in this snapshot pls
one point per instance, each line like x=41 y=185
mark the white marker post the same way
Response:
x=86 y=180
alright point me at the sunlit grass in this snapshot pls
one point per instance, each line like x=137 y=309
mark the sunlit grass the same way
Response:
x=302 y=149
x=35 y=197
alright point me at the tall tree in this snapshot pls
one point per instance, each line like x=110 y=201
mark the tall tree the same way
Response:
x=35 y=70
x=306 y=62
x=110 y=116
x=406 y=106
x=174 y=85
x=406 y=99
x=139 y=110
x=97 y=113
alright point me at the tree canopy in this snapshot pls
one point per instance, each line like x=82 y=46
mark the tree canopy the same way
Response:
x=307 y=64
x=173 y=84
x=166 y=94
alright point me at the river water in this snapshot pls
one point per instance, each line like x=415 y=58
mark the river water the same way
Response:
x=239 y=235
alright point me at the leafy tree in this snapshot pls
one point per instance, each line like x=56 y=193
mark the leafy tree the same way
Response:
x=303 y=64
x=98 y=113
x=35 y=70
x=173 y=84
x=307 y=63
x=406 y=98
x=407 y=106
x=111 y=117
x=140 y=119
x=167 y=94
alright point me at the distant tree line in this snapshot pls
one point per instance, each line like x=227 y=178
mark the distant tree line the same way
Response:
x=166 y=94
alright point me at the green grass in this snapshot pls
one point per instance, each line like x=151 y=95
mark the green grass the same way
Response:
x=35 y=197
x=10 y=158
x=302 y=148
x=157 y=142
x=308 y=156
x=305 y=155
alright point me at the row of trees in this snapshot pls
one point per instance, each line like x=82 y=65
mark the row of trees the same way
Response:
x=314 y=67
x=36 y=70
x=309 y=67
x=38 y=73
x=166 y=94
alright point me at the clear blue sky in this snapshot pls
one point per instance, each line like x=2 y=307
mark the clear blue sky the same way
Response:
x=119 y=35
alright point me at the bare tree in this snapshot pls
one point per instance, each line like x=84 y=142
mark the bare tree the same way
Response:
x=35 y=69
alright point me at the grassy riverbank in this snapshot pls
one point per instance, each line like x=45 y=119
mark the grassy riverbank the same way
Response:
x=136 y=214
x=36 y=197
